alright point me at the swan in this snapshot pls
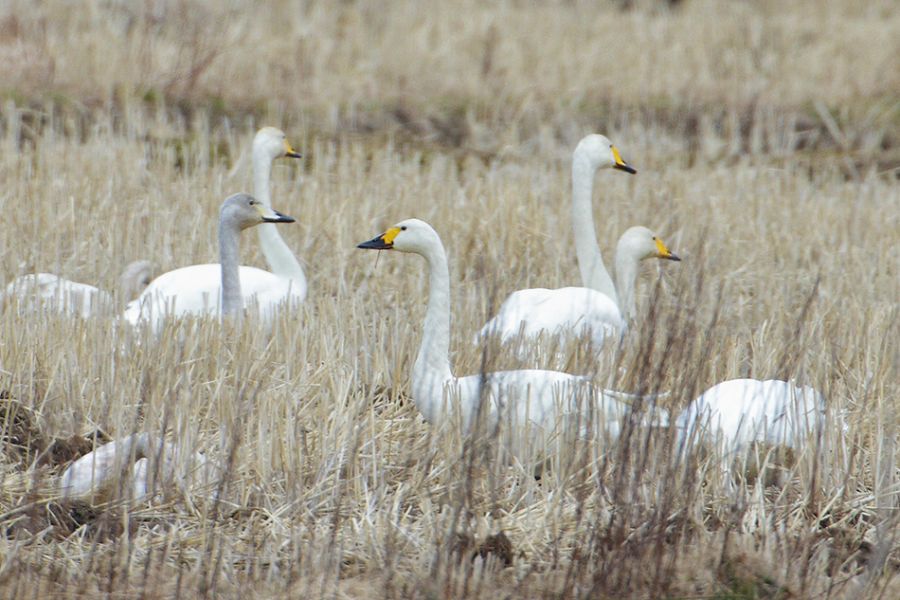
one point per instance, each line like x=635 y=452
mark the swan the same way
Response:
x=97 y=473
x=536 y=400
x=735 y=414
x=38 y=292
x=580 y=309
x=214 y=289
x=203 y=282
x=596 y=306
x=271 y=143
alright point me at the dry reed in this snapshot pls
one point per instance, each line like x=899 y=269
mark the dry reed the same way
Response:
x=334 y=485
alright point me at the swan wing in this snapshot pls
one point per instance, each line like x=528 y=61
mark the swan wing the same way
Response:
x=541 y=398
x=739 y=412
x=197 y=291
x=39 y=291
x=570 y=310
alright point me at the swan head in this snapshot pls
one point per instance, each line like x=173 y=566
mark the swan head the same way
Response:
x=599 y=153
x=272 y=143
x=641 y=243
x=136 y=276
x=411 y=235
x=243 y=211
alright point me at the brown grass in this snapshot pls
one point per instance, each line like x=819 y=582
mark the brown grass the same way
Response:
x=760 y=133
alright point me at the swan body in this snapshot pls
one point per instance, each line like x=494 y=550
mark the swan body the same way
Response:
x=598 y=308
x=216 y=289
x=196 y=290
x=38 y=292
x=98 y=473
x=736 y=413
x=537 y=400
x=580 y=310
x=571 y=309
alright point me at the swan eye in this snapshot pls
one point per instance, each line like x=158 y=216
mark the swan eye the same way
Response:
x=403 y=228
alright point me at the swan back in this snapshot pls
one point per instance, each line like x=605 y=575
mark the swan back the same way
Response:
x=37 y=292
x=736 y=413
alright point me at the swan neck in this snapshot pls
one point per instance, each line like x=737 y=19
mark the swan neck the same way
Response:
x=590 y=261
x=432 y=368
x=627 y=265
x=278 y=254
x=229 y=243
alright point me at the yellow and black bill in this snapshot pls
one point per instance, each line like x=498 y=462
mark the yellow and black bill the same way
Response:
x=290 y=152
x=385 y=241
x=664 y=252
x=620 y=163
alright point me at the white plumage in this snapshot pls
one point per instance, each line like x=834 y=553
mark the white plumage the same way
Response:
x=197 y=290
x=598 y=308
x=580 y=310
x=40 y=292
x=736 y=413
x=98 y=474
x=537 y=400
x=734 y=417
x=37 y=292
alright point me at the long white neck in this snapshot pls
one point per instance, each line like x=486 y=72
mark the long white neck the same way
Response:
x=627 y=265
x=590 y=262
x=229 y=241
x=432 y=368
x=279 y=256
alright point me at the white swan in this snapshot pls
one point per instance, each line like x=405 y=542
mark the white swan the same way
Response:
x=738 y=412
x=580 y=310
x=596 y=306
x=202 y=283
x=39 y=292
x=97 y=474
x=214 y=289
x=735 y=414
x=268 y=144
x=537 y=399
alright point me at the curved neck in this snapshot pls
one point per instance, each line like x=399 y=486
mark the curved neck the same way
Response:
x=627 y=266
x=590 y=262
x=432 y=367
x=279 y=256
x=229 y=241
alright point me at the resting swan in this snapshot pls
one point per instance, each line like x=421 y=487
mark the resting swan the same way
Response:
x=96 y=475
x=38 y=292
x=223 y=288
x=201 y=284
x=536 y=398
x=738 y=412
x=579 y=309
x=596 y=306
x=735 y=414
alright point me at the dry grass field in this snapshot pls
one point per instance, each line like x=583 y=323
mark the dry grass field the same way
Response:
x=767 y=141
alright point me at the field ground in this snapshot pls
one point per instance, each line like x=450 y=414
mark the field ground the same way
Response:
x=767 y=143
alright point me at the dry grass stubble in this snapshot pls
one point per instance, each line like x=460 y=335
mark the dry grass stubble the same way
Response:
x=334 y=481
